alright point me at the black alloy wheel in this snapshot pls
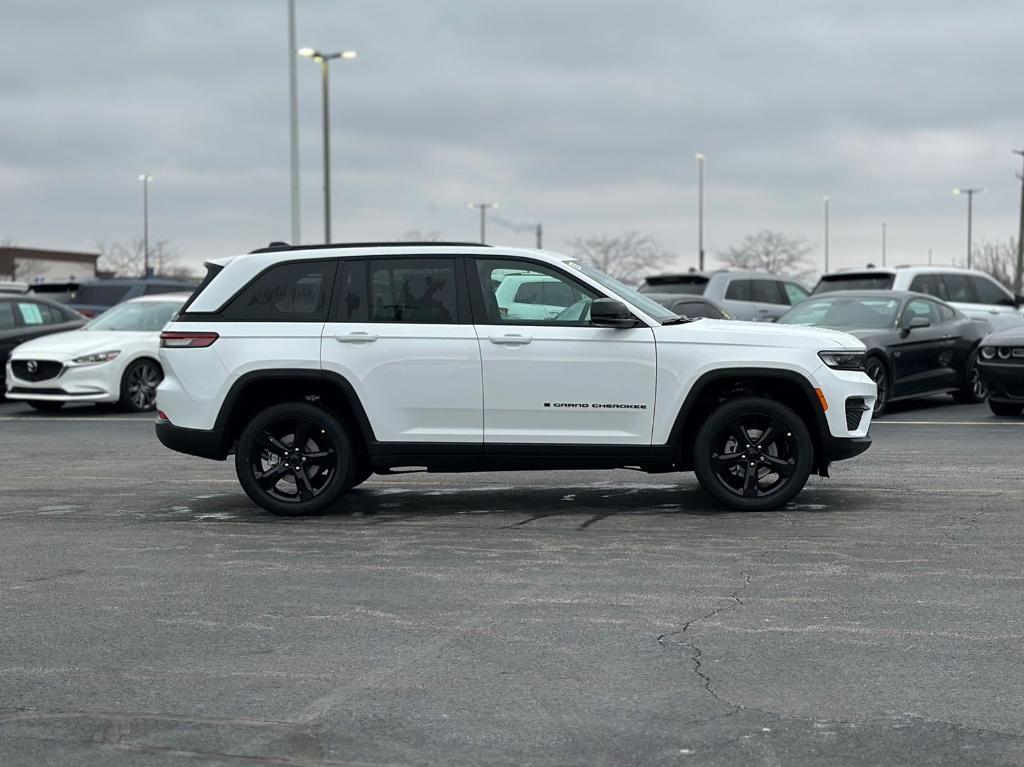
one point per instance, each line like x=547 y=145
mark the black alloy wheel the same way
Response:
x=973 y=389
x=295 y=459
x=877 y=372
x=138 y=386
x=753 y=454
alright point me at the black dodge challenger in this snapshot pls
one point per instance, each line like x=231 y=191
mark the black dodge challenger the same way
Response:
x=917 y=345
x=1001 y=363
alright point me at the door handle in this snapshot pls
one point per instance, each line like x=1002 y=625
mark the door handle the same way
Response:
x=510 y=340
x=356 y=337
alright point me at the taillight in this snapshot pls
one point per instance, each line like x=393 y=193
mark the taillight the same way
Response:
x=162 y=416
x=173 y=339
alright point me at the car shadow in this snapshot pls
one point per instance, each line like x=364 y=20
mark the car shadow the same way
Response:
x=378 y=504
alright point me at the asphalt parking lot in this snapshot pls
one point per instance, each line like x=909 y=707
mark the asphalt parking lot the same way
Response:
x=152 y=615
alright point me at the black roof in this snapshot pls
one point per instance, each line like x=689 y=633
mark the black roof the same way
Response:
x=276 y=247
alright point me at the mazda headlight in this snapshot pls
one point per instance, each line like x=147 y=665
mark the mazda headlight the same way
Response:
x=843 y=360
x=95 y=359
x=988 y=352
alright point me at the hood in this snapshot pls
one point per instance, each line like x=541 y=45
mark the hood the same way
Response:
x=77 y=343
x=1012 y=337
x=735 y=333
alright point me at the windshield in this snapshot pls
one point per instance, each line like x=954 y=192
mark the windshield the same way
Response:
x=145 y=316
x=844 y=313
x=651 y=308
x=691 y=285
x=854 y=282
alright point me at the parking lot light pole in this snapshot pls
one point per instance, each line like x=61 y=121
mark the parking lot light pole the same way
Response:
x=826 y=200
x=970 y=214
x=884 y=228
x=1020 y=233
x=324 y=59
x=293 y=129
x=145 y=179
x=483 y=206
x=700 y=210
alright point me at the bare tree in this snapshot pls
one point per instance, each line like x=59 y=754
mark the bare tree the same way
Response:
x=772 y=252
x=627 y=257
x=998 y=259
x=127 y=259
x=418 y=235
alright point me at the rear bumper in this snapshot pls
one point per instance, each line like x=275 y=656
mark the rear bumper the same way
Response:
x=200 y=442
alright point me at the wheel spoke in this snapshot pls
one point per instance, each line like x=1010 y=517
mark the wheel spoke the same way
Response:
x=302 y=482
x=780 y=466
x=724 y=461
x=271 y=476
x=272 y=443
x=319 y=454
x=301 y=436
x=767 y=436
x=750 y=481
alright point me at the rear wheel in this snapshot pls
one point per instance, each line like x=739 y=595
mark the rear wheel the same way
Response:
x=138 y=386
x=295 y=459
x=877 y=372
x=1005 y=408
x=45 y=406
x=753 y=454
x=973 y=389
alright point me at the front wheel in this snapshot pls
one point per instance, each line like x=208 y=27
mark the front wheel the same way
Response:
x=753 y=454
x=295 y=459
x=138 y=386
x=1005 y=408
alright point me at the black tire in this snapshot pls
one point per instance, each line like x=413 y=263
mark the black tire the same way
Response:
x=1005 y=408
x=878 y=372
x=138 y=385
x=291 y=479
x=363 y=472
x=972 y=391
x=777 y=439
x=45 y=406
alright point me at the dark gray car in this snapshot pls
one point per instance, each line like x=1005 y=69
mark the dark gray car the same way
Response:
x=23 y=318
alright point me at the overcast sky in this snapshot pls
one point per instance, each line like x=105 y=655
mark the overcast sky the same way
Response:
x=582 y=114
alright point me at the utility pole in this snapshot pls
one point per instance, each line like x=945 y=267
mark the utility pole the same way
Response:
x=483 y=206
x=145 y=179
x=929 y=256
x=700 y=211
x=826 y=233
x=970 y=192
x=884 y=226
x=293 y=126
x=540 y=236
x=1020 y=232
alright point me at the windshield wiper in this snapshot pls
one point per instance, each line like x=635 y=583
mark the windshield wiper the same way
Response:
x=681 y=320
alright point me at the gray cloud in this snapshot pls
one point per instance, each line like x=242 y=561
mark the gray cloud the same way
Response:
x=584 y=115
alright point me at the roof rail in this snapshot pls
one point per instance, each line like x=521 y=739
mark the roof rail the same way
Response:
x=278 y=246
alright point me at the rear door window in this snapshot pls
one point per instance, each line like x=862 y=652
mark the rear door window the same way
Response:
x=958 y=288
x=929 y=284
x=738 y=290
x=415 y=291
x=289 y=292
x=6 y=315
x=30 y=313
x=767 y=292
x=988 y=292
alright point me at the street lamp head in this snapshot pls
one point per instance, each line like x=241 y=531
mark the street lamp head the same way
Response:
x=825 y=198
x=699 y=156
x=956 y=191
x=145 y=177
x=309 y=53
x=349 y=55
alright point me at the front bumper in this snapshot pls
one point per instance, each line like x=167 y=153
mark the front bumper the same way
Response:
x=88 y=383
x=1004 y=381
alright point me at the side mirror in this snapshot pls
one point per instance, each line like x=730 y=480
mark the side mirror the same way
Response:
x=918 y=322
x=609 y=313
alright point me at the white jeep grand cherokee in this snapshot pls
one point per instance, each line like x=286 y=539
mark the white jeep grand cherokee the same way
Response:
x=321 y=365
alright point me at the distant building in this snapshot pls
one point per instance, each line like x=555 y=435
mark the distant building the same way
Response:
x=35 y=264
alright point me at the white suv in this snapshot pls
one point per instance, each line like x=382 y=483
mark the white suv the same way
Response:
x=320 y=365
x=974 y=293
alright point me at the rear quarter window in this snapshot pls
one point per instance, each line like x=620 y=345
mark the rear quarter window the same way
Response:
x=289 y=292
x=988 y=292
x=958 y=288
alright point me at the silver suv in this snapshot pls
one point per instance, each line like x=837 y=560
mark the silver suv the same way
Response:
x=974 y=293
x=747 y=295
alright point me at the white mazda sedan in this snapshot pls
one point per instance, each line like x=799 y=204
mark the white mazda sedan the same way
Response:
x=112 y=359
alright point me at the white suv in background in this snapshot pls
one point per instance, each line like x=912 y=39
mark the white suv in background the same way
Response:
x=320 y=365
x=974 y=293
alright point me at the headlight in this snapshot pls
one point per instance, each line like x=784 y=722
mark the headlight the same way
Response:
x=988 y=352
x=95 y=359
x=843 y=360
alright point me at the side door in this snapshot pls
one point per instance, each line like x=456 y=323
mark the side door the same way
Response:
x=10 y=333
x=38 y=319
x=400 y=333
x=923 y=356
x=992 y=297
x=559 y=381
